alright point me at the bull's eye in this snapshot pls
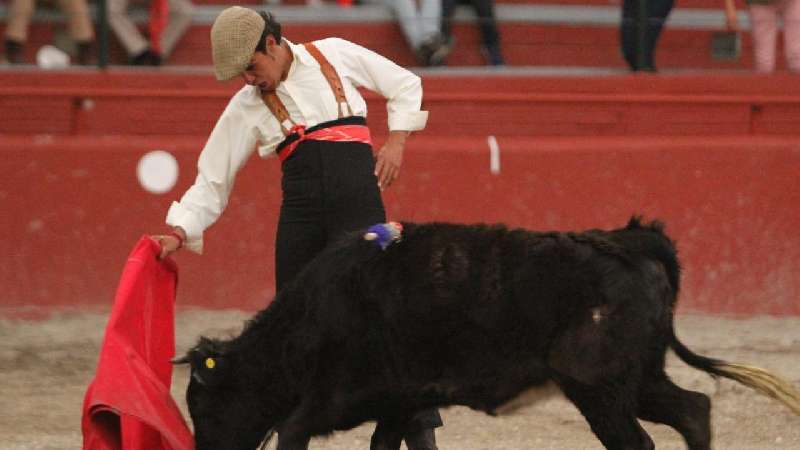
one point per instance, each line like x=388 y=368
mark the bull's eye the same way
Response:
x=210 y=363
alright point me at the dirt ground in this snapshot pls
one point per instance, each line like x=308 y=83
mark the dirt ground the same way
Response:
x=46 y=365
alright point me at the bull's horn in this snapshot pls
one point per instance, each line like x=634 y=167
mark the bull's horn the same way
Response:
x=182 y=360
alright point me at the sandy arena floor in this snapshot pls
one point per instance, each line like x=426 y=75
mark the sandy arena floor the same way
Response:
x=45 y=367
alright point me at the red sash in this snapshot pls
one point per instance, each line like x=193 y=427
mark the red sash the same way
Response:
x=337 y=133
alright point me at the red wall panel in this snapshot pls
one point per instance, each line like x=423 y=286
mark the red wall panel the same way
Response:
x=72 y=209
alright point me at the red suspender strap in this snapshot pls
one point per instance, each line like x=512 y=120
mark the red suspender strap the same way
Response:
x=333 y=79
x=277 y=108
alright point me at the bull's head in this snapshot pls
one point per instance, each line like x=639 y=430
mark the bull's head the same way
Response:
x=225 y=412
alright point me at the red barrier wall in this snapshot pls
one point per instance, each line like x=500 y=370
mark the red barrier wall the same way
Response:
x=144 y=103
x=72 y=208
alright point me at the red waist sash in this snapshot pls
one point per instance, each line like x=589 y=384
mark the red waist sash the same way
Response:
x=337 y=133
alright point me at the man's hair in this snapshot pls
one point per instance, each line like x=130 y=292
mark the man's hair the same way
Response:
x=271 y=26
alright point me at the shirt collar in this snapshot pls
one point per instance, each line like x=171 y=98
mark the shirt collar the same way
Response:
x=301 y=56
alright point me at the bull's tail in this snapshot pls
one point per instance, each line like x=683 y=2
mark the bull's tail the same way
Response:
x=754 y=377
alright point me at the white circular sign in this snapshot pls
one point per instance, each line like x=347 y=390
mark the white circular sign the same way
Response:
x=157 y=171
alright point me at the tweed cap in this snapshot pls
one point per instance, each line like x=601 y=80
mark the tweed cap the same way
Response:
x=234 y=37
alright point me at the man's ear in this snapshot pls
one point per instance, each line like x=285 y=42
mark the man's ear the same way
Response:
x=209 y=362
x=271 y=43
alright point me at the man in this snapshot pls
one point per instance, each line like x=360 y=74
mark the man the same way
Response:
x=301 y=102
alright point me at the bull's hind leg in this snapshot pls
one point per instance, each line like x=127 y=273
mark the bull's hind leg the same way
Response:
x=610 y=413
x=688 y=412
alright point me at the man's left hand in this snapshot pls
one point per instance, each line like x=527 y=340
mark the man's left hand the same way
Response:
x=390 y=158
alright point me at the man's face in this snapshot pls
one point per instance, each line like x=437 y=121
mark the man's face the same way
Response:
x=266 y=68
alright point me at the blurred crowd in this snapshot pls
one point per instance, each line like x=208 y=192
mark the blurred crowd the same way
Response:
x=426 y=25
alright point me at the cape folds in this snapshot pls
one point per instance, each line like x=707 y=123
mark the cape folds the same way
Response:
x=128 y=404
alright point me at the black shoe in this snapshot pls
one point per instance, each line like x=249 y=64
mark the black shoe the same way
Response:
x=444 y=47
x=146 y=58
x=433 y=51
x=13 y=52
x=493 y=55
x=84 y=53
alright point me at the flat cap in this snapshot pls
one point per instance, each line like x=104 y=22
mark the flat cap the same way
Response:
x=234 y=37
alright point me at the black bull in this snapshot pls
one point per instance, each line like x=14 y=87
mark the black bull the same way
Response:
x=462 y=315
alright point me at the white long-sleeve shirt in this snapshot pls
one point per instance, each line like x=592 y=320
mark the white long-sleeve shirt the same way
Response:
x=247 y=123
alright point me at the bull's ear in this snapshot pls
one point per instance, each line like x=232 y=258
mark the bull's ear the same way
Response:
x=209 y=362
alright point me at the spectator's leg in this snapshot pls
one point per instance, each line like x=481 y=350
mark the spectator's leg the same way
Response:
x=125 y=30
x=431 y=19
x=791 y=34
x=180 y=18
x=627 y=32
x=764 y=24
x=435 y=46
x=79 y=24
x=19 y=18
x=484 y=9
x=448 y=10
x=657 y=17
x=408 y=17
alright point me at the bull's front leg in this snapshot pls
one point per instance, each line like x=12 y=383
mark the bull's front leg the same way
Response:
x=306 y=420
x=292 y=440
x=388 y=435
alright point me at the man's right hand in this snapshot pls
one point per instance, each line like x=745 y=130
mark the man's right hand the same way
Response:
x=170 y=243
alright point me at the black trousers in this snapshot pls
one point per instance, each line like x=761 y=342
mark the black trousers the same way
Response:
x=657 y=12
x=487 y=23
x=330 y=188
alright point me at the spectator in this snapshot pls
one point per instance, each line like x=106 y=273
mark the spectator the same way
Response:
x=301 y=103
x=79 y=25
x=764 y=17
x=421 y=25
x=140 y=51
x=656 y=15
x=490 y=35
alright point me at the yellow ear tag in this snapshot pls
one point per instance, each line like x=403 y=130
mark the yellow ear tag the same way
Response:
x=210 y=363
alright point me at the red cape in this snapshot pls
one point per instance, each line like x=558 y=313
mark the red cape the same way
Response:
x=128 y=405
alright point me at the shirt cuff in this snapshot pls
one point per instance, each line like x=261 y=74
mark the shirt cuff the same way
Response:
x=180 y=216
x=408 y=121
